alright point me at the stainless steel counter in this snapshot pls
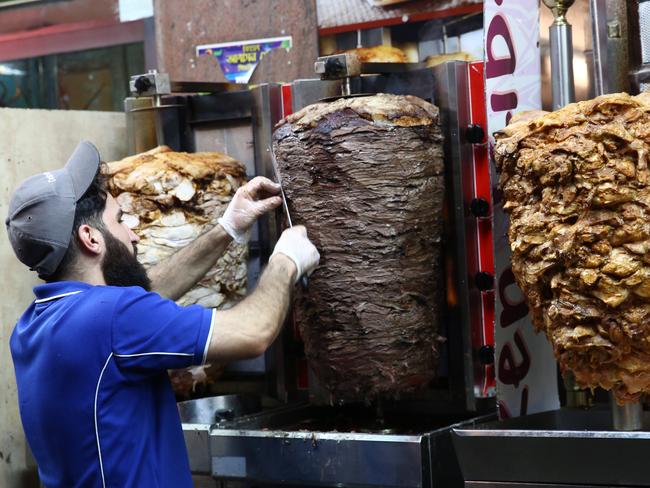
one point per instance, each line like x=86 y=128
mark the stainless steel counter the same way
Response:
x=561 y=448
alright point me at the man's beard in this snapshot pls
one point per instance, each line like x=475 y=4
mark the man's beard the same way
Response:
x=121 y=267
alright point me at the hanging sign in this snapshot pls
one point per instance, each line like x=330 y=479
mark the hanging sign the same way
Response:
x=526 y=368
x=239 y=59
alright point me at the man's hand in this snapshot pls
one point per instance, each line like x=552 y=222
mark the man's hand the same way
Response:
x=294 y=244
x=248 y=329
x=253 y=199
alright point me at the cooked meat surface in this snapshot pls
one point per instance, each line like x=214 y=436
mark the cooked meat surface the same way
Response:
x=365 y=175
x=575 y=183
x=379 y=54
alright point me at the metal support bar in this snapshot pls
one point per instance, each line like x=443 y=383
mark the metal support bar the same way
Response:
x=562 y=65
x=627 y=417
x=575 y=396
x=598 y=10
x=561 y=40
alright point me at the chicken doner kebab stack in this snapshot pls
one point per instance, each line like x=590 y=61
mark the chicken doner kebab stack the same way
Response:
x=169 y=199
x=576 y=185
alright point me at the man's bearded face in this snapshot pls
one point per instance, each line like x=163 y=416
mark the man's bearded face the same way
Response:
x=120 y=266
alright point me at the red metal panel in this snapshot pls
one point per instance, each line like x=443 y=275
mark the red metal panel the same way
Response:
x=287 y=101
x=486 y=382
x=64 y=38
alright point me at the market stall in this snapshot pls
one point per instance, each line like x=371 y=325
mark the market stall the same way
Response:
x=380 y=366
x=320 y=433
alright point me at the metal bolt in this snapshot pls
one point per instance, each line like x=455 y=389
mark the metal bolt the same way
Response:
x=486 y=354
x=614 y=29
x=479 y=207
x=475 y=134
x=484 y=281
x=142 y=84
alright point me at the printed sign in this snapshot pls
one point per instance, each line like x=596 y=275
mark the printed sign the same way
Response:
x=526 y=368
x=239 y=59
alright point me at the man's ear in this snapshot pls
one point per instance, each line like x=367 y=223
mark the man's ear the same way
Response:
x=90 y=240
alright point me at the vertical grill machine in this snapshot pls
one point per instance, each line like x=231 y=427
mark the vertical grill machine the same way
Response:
x=303 y=440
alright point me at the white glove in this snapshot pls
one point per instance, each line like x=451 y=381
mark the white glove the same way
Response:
x=294 y=244
x=247 y=205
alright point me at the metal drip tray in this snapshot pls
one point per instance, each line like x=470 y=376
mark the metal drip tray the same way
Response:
x=307 y=445
x=562 y=447
x=350 y=419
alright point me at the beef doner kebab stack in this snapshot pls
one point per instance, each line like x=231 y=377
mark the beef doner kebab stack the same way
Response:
x=169 y=199
x=576 y=187
x=365 y=175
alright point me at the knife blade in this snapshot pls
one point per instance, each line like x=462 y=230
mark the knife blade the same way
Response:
x=276 y=174
x=304 y=280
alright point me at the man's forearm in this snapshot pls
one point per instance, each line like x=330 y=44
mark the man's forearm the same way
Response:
x=247 y=329
x=272 y=297
x=174 y=276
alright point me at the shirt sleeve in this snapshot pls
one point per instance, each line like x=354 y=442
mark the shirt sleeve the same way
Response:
x=151 y=333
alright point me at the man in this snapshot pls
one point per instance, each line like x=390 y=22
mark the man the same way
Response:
x=92 y=351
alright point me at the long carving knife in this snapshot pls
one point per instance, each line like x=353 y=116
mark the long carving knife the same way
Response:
x=304 y=280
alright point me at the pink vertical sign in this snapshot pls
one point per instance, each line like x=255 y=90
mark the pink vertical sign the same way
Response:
x=526 y=368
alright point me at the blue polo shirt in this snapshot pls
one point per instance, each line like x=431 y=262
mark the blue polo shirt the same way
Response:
x=95 y=399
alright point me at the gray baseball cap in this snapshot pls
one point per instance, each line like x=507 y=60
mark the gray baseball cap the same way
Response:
x=41 y=210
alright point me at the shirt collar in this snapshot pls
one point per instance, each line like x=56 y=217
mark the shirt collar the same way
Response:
x=58 y=289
